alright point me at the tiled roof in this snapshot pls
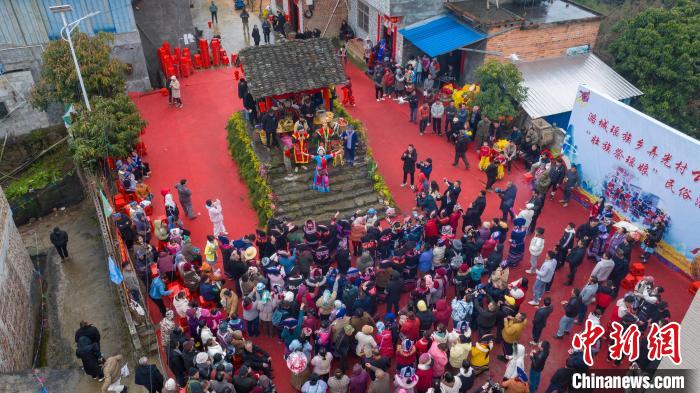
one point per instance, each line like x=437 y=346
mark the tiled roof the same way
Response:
x=292 y=66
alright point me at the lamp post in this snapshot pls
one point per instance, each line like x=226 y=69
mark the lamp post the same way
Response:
x=68 y=29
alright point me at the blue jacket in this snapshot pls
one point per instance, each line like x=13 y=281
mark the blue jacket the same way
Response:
x=209 y=292
x=349 y=140
x=157 y=290
x=508 y=197
x=425 y=261
x=288 y=262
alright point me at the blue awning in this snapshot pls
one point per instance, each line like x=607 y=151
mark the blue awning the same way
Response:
x=441 y=34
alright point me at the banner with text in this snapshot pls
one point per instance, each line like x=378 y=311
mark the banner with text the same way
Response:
x=644 y=168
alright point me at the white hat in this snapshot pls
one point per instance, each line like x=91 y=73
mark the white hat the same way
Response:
x=201 y=358
x=173 y=77
x=321 y=150
x=170 y=384
x=530 y=206
x=289 y=296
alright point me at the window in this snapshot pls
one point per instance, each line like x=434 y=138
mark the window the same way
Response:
x=363 y=16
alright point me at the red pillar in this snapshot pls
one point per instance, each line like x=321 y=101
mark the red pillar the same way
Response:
x=379 y=28
x=393 y=45
x=327 y=98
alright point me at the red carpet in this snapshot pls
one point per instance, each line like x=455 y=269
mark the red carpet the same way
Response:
x=390 y=132
x=191 y=143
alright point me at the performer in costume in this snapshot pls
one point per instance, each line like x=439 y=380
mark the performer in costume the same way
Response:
x=321 y=182
x=484 y=156
x=500 y=159
x=517 y=242
x=323 y=136
x=301 y=143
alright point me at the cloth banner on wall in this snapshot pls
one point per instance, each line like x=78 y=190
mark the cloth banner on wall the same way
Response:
x=647 y=170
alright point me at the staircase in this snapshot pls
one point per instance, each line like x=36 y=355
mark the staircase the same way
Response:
x=351 y=188
x=149 y=340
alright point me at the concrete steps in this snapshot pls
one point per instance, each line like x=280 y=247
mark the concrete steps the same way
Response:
x=351 y=188
x=149 y=340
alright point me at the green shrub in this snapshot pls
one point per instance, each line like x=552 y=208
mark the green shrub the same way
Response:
x=241 y=149
x=44 y=172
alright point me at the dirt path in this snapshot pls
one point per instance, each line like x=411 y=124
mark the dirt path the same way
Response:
x=79 y=289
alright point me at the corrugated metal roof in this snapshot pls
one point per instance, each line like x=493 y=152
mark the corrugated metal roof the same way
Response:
x=102 y=21
x=29 y=20
x=441 y=34
x=122 y=16
x=552 y=83
x=10 y=33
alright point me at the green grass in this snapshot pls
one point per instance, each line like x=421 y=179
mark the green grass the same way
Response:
x=45 y=171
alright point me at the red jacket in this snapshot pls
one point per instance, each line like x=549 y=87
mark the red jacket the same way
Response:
x=410 y=329
x=388 y=79
x=425 y=379
x=442 y=313
x=422 y=346
x=488 y=248
x=404 y=359
x=386 y=345
x=431 y=228
x=454 y=221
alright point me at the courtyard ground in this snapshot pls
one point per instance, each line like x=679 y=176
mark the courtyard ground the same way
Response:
x=191 y=143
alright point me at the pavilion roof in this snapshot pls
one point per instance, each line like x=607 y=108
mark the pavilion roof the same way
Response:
x=291 y=66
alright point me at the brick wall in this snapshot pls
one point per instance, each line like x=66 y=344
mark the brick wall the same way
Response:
x=19 y=301
x=542 y=41
x=323 y=9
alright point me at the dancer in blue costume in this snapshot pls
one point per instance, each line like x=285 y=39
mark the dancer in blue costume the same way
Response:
x=321 y=182
x=517 y=242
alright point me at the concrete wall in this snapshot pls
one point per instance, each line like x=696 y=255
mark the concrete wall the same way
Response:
x=374 y=12
x=323 y=11
x=22 y=69
x=20 y=298
x=543 y=41
x=414 y=11
x=158 y=22
x=127 y=47
x=14 y=92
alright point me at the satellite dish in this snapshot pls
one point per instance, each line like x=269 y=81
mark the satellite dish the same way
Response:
x=514 y=57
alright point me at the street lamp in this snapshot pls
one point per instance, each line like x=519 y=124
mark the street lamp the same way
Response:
x=68 y=29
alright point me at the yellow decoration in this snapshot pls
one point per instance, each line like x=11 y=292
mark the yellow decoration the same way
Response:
x=500 y=144
x=465 y=95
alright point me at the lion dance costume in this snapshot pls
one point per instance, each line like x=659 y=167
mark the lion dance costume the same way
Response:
x=484 y=157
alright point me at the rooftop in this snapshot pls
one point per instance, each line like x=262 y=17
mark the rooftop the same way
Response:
x=513 y=12
x=550 y=12
x=291 y=67
x=552 y=83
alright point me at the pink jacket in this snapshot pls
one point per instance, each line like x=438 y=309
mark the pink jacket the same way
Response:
x=439 y=359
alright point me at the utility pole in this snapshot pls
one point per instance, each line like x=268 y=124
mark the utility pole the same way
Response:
x=68 y=29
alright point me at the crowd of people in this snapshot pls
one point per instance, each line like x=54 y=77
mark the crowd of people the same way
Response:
x=414 y=303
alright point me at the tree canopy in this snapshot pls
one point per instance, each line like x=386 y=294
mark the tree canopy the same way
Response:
x=658 y=51
x=103 y=75
x=502 y=89
x=111 y=129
